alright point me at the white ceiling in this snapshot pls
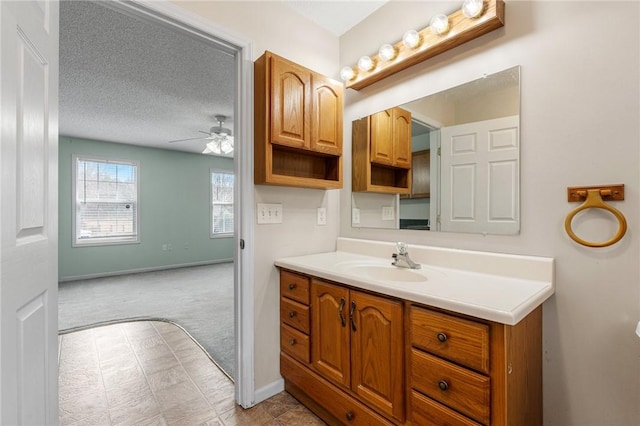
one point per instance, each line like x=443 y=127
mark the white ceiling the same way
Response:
x=336 y=16
x=126 y=79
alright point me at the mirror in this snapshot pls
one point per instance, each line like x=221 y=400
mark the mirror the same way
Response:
x=465 y=170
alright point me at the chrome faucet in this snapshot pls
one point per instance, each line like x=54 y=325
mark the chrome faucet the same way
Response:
x=401 y=258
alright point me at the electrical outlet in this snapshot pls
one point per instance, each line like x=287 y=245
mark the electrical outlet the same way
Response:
x=321 y=216
x=387 y=213
x=355 y=216
x=269 y=213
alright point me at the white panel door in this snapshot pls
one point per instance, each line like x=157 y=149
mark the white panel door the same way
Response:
x=28 y=212
x=481 y=177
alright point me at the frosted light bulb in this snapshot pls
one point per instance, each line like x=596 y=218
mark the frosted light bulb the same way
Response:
x=365 y=63
x=347 y=73
x=411 y=39
x=439 y=24
x=387 y=52
x=472 y=8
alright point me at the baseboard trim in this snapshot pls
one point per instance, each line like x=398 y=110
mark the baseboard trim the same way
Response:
x=140 y=270
x=268 y=391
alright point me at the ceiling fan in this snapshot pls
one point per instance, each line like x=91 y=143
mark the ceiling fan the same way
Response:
x=220 y=139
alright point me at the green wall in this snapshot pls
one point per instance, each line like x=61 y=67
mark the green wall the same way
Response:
x=174 y=209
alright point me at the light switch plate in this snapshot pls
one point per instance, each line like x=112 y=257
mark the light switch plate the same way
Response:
x=321 y=216
x=269 y=213
x=387 y=213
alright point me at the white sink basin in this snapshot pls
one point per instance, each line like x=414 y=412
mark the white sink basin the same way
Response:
x=390 y=273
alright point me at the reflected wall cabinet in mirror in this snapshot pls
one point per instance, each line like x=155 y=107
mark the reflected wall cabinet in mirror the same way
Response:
x=464 y=175
x=298 y=125
x=382 y=152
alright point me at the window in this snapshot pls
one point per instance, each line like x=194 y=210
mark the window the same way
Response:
x=106 y=201
x=221 y=204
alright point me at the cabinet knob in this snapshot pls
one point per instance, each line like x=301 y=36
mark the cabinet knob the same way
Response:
x=292 y=342
x=292 y=286
x=443 y=385
x=442 y=337
x=349 y=415
x=292 y=314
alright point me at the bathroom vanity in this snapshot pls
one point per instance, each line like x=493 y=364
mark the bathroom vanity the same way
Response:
x=458 y=342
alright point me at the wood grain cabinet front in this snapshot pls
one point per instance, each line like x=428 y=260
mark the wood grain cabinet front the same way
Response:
x=382 y=152
x=356 y=339
x=359 y=358
x=298 y=125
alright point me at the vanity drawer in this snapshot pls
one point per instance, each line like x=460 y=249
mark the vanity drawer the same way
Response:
x=454 y=386
x=294 y=343
x=457 y=339
x=294 y=286
x=294 y=314
x=427 y=412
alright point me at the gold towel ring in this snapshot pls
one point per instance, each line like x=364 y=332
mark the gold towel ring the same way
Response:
x=594 y=200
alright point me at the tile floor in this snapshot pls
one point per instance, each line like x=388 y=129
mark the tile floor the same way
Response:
x=153 y=373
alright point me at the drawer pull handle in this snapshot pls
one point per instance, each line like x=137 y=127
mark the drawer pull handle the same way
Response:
x=442 y=337
x=349 y=415
x=443 y=385
x=292 y=286
x=292 y=314
x=292 y=342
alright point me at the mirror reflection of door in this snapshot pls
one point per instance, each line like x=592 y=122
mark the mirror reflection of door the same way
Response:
x=480 y=177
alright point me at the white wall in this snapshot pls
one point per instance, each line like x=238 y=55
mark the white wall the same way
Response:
x=580 y=126
x=270 y=25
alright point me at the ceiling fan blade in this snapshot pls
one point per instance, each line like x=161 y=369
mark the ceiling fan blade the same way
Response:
x=206 y=133
x=183 y=140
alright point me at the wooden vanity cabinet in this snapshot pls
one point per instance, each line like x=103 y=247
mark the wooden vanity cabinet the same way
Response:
x=382 y=152
x=356 y=339
x=465 y=371
x=298 y=125
x=359 y=358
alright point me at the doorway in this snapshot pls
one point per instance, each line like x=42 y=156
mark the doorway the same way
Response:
x=172 y=18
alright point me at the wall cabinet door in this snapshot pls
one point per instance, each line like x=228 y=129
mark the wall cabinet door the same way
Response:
x=382 y=137
x=290 y=107
x=391 y=138
x=421 y=174
x=357 y=342
x=326 y=122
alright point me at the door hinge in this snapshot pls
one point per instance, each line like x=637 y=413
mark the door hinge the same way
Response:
x=241 y=244
x=439 y=151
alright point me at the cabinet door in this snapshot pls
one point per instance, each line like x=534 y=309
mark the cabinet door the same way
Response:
x=290 y=104
x=421 y=174
x=329 y=331
x=377 y=363
x=326 y=123
x=382 y=137
x=401 y=138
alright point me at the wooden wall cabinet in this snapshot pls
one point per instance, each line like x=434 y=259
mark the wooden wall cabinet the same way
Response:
x=356 y=363
x=382 y=152
x=298 y=125
x=420 y=175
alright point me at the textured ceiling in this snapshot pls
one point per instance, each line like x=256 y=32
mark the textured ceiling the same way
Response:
x=126 y=80
x=336 y=16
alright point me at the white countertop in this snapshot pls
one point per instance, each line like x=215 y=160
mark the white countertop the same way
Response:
x=489 y=296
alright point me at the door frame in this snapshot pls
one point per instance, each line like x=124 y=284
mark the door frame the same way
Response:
x=170 y=14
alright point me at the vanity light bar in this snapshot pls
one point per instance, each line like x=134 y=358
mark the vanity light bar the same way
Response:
x=461 y=30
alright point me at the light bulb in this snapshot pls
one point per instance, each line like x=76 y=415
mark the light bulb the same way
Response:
x=347 y=73
x=439 y=24
x=472 y=8
x=365 y=63
x=411 y=39
x=387 y=52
